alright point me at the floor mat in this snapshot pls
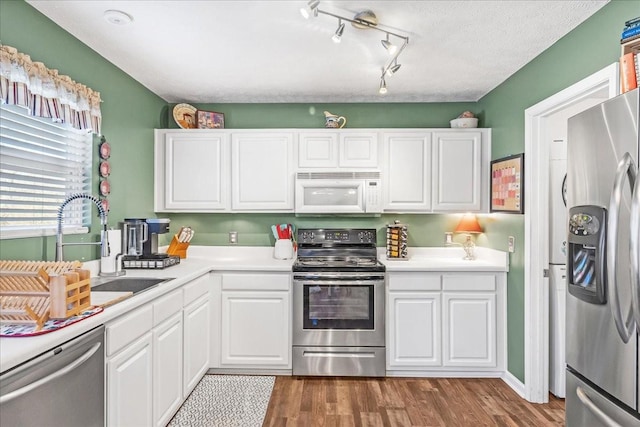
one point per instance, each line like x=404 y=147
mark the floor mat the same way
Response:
x=226 y=401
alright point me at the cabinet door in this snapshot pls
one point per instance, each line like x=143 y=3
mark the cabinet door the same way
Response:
x=407 y=171
x=130 y=385
x=262 y=171
x=469 y=329
x=196 y=171
x=358 y=150
x=317 y=150
x=255 y=329
x=413 y=326
x=197 y=336
x=167 y=377
x=457 y=171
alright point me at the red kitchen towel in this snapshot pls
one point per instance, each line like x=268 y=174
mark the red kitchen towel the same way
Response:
x=15 y=331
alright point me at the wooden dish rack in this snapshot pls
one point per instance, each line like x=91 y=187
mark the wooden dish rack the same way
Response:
x=32 y=292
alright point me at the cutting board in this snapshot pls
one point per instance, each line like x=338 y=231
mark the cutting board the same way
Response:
x=107 y=298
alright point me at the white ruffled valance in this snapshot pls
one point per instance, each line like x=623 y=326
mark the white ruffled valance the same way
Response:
x=45 y=93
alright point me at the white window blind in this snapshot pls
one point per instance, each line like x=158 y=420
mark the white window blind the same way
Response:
x=41 y=163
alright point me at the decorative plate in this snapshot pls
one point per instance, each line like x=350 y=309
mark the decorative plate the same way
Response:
x=185 y=116
x=105 y=150
x=105 y=188
x=105 y=169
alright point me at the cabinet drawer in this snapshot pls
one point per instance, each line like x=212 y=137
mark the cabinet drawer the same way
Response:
x=414 y=281
x=164 y=307
x=469 y=282
x=196 y=289
x=125 y=330
x=256 y=282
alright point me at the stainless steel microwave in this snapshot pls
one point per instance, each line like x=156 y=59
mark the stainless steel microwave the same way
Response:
x=338 y=192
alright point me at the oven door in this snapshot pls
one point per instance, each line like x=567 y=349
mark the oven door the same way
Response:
x=338 y=311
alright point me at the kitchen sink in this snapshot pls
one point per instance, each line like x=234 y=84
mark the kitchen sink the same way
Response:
x=129 y=284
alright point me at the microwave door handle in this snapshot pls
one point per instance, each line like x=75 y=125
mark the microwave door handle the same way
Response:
x=634 y=252
x=626 y=327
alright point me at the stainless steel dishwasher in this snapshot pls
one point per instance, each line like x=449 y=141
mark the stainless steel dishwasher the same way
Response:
x=61 y=387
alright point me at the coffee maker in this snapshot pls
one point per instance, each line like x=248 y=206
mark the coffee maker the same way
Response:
x=140 y=243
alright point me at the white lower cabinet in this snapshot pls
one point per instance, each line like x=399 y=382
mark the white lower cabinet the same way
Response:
x=447 y=323
x=415 y=327
x=156 y=354
x=167 y=380
x=255 y=321
x=130 y=385
x=197 y=321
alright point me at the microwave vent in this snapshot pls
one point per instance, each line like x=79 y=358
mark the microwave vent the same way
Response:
x=338 y=175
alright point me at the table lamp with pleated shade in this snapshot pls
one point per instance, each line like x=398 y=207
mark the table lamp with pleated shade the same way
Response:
x=468 y=224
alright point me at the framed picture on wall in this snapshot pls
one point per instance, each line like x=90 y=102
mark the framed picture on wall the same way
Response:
x=210 y=120
x=507 y=184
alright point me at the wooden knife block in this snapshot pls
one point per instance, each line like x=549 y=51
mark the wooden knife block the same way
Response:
x=178 y=248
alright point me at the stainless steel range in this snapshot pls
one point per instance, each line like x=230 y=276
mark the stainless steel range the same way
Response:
x=338 y=304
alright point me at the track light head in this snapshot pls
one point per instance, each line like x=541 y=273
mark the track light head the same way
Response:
x=311 y=9
x=383 y=86
x=337 y=37
x=391 y=48
x=393 y=69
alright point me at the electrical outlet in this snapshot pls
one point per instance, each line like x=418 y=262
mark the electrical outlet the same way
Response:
x=512 y=244
x=448 y=238
x=233 y=237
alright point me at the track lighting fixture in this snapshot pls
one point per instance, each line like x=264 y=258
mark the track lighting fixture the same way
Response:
x=391 y=48
x=337 y=37
x=383 y=86
x=311 y=9
x=393 y=69
x=363 y=20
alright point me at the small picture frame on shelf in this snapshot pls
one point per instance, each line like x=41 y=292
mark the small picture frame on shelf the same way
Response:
x=507 y=184
x=210 y=120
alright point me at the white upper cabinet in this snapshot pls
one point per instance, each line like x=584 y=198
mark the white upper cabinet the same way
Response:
x=191 y=171
x=459 y=171
x=407 y=171
x=345 y=149
x=262 y=171
x=318 y=150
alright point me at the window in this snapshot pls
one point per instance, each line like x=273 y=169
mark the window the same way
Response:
x=41 y=163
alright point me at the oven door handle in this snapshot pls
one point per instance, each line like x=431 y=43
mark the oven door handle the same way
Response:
x=338 y=277
x=348 y=282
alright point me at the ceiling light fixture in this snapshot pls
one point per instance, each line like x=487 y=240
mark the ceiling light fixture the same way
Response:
x=383 y=86
x=391 y=48
x=337 y=37
x=363 y=20
x=393 y=69
x=310 y=10
x=118 y=17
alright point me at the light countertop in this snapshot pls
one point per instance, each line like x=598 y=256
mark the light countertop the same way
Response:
x=203 y=259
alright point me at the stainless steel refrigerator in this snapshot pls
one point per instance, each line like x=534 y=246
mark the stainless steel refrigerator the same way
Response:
x=603 y=256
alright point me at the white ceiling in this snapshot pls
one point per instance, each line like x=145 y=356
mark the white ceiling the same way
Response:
x=265 y=51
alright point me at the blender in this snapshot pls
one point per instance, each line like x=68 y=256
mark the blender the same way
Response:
x=140 y=243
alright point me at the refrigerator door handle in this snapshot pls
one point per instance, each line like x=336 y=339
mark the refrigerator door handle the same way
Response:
x=634 y=252
x=599 y=413
x=626 y=328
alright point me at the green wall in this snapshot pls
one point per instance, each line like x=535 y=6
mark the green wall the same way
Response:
x=592 y=46
x=131 y=112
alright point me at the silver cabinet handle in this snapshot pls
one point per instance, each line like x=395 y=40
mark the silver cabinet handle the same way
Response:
x=626 y=168
x=599 y=413
x=634 y=252
x=70 y=367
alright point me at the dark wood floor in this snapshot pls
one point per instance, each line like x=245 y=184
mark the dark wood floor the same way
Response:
x=405 y=402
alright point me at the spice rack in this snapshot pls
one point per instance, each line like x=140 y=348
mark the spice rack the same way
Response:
x=397 y=241
x=32 y=292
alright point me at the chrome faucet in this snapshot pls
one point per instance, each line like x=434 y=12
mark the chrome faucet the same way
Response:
x=104 y=241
